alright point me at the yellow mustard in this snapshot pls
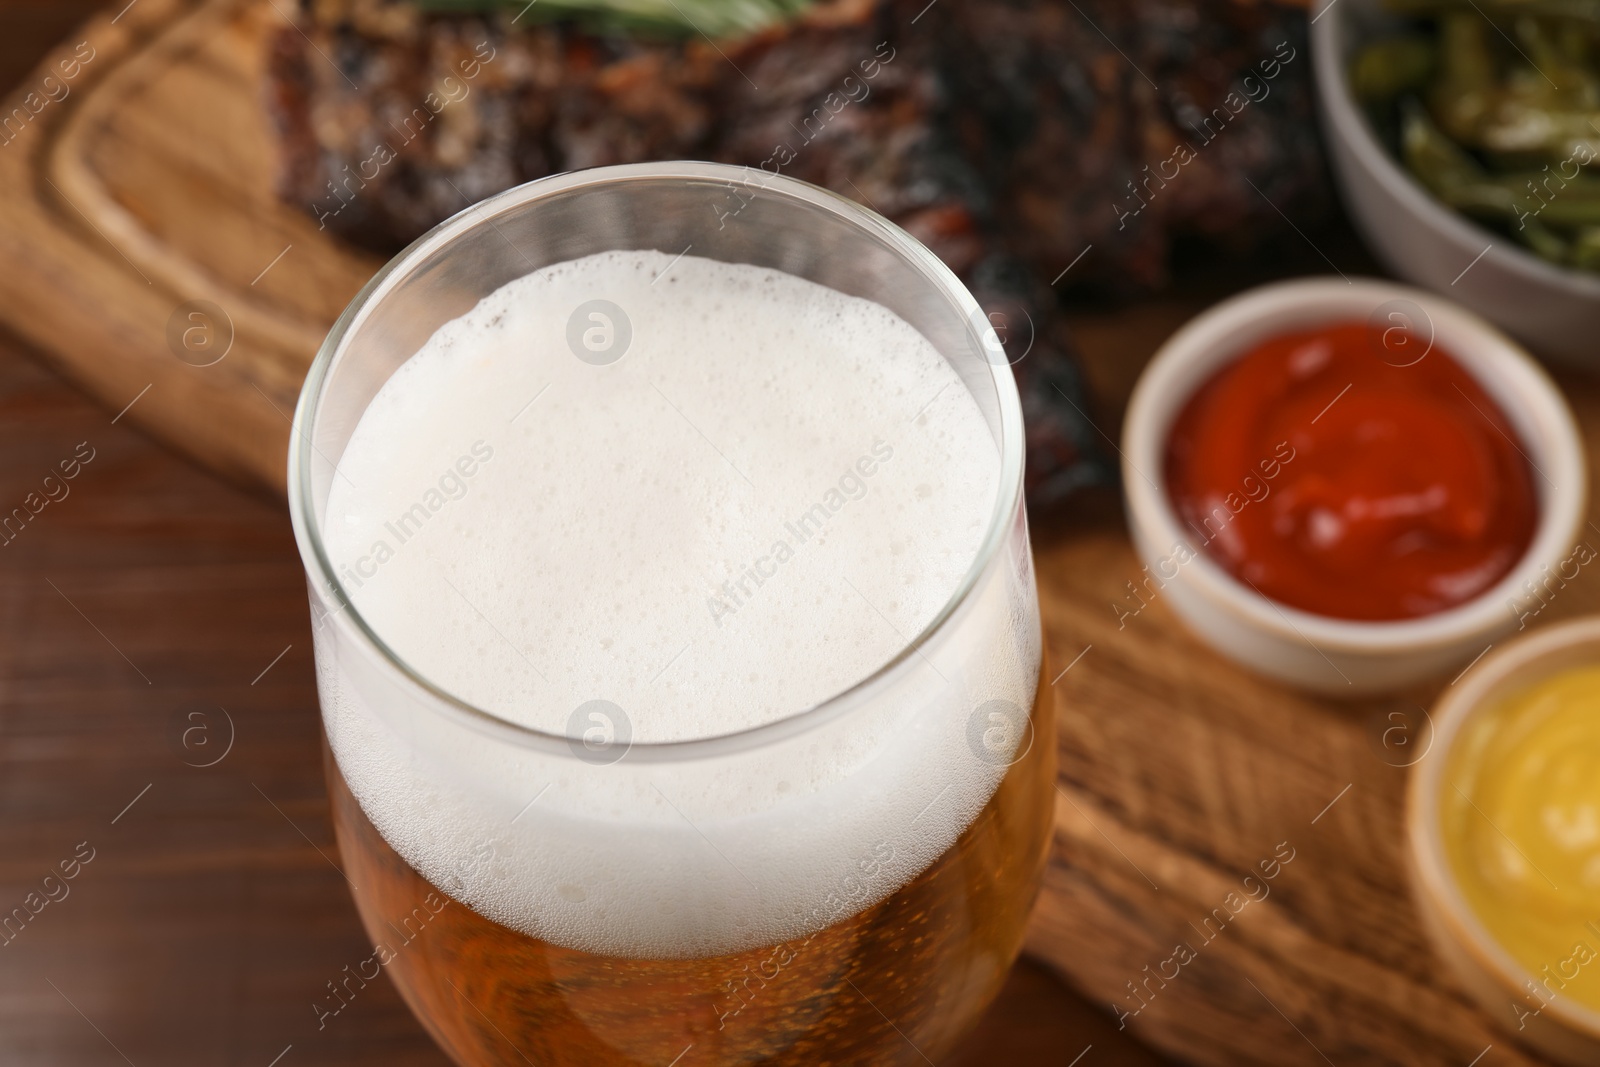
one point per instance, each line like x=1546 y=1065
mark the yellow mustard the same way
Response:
x=1520 y=811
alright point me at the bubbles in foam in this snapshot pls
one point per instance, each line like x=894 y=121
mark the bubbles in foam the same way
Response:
x=698 y=497
x=733 y=521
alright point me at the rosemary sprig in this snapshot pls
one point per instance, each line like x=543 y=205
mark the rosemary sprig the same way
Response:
x=678 y=18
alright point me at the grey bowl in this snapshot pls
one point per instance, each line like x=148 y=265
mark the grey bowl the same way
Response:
x=1555 y=311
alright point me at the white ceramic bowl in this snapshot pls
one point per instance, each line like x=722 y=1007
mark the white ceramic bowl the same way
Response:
x=1554 y=310
x=1339 y=656
x=1568 y=1032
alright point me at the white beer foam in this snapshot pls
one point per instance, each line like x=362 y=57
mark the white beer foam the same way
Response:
x=752 y=505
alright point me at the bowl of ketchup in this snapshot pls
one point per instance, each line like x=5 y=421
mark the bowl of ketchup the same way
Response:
x=1351 y=486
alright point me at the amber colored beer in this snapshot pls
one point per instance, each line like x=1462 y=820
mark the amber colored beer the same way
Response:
x=897 y=983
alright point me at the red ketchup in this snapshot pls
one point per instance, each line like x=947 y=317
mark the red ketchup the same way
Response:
x=1333 y=481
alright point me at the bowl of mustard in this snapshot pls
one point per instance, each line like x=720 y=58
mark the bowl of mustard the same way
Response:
x=1503 y=817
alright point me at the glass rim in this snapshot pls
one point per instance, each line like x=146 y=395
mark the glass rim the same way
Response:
x=324 y=576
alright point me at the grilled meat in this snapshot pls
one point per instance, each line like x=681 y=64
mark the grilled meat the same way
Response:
x=1006 y=136
x=1118 y=125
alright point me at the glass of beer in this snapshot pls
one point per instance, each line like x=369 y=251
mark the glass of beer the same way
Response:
x=676 y=633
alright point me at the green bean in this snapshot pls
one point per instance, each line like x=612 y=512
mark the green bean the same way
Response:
x=1576 y=41
x=1585 y=254
x=1385 y=69
x=1467 y=90
x=1565 y=203
x=1442 y=166
x=1460 y=182
x=1559 y=63
x=1500 y=118
x=1518 y=130
x=1545 y=243
x=1538 y=105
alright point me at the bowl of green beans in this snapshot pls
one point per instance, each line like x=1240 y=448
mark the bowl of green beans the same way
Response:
x=1465 y=137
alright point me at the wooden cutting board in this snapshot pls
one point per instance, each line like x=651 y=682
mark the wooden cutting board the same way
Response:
x=147 y=187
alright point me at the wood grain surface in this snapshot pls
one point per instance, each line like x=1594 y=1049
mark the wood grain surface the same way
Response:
x=155 y=592
x=149 y=188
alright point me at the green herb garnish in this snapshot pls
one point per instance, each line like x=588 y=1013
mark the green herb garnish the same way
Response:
x=675 y=18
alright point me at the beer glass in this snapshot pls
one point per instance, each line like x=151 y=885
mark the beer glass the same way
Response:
x=845 y=884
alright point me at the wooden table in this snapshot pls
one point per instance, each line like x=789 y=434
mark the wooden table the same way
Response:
x=212 y=914
x=153 y=621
